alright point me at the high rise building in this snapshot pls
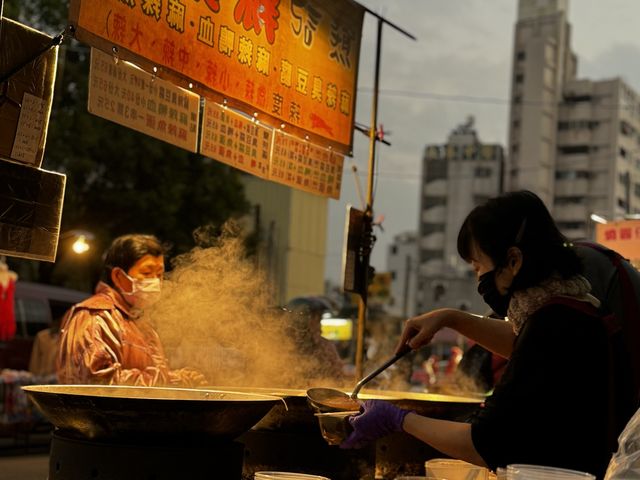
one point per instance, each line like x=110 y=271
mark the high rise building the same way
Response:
x=402 y=264
x=456 y=177
x=575 y=142
x=542 y=64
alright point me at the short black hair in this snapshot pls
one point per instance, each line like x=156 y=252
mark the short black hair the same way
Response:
x=126 y=250
x=519 y=219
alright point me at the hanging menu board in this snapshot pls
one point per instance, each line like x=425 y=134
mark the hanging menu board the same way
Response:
x=240 y=141
x=126 y=95
x=294 y=61
x=236 y=140
x=302 y=165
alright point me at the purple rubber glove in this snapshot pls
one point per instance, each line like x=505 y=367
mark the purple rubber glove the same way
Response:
x=377 y=420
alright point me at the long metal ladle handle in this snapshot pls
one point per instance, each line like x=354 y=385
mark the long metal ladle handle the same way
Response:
x=376 y=372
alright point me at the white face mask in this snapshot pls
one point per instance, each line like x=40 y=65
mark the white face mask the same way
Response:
x=144 y=292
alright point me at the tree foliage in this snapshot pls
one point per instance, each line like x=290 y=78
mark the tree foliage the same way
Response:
x=120 y=181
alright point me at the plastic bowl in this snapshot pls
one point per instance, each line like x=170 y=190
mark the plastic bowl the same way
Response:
x=334 y=426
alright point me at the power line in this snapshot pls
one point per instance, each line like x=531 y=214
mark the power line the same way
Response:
x=481 y=100
x=418 y=175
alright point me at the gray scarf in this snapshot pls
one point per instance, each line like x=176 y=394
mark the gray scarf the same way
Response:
x=525 y=302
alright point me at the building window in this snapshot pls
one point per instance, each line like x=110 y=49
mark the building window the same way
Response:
x=431 y=254
x=571 y=225
x=394 y=250
x=572 y=175
x=622 y=204
x=434 y=201
x=575 y=98
x=625 y=128
x=482 y=172
x=436 y=170
x=623 y=152
x=572 y=200
x=636 y=189
x=623 y=178
x=578 y=125
x=520 y=56
x=480 y=199
x=574 y=149
x=429 y=228
x=520 y=78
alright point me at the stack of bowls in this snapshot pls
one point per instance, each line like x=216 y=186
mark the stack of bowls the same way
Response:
x=286 y=476
x=538 y=472
x=451 y=469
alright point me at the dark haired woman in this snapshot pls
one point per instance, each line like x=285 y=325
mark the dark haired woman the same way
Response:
x=553 y=406
x=106 y=339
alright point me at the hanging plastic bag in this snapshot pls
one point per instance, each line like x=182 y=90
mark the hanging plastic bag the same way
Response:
x=625 y=464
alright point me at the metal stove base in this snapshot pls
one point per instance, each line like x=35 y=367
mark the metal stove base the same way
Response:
x=73 y=459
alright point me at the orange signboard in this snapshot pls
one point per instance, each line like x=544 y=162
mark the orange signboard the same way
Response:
x=622 y=236
x=295 y=61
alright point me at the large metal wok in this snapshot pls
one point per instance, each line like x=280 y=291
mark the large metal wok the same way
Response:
x=298 y=415
x=93 y=411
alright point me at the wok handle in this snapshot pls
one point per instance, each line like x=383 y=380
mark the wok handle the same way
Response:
x=376 y=372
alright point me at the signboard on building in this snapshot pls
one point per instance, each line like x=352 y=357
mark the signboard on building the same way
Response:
x=124 y=94
x=622 y=236
x=295 y=61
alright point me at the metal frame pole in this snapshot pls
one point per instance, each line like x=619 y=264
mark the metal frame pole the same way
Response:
x=362 y=304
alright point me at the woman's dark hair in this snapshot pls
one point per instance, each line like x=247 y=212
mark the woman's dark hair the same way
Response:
x=126 y=250
x=519 y=219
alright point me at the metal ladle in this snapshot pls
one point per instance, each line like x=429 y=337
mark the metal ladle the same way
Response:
x=318 y=397
x=378 y=371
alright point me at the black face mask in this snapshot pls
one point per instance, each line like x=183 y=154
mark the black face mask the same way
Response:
x=487 y=288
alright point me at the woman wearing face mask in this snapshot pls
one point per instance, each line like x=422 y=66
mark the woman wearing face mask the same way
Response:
x=106 y=339
x=556 y=403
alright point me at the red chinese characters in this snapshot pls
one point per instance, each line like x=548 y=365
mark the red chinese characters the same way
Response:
x=214 y=5
x=256 y=14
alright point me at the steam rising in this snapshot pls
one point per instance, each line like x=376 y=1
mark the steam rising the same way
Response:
x=217 y=315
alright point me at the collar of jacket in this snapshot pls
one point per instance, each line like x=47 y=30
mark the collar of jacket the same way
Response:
x=106 y=298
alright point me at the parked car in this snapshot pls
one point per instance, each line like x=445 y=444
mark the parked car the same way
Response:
x=36 y=305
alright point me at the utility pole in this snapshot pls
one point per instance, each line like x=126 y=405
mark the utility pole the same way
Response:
x=368 y=238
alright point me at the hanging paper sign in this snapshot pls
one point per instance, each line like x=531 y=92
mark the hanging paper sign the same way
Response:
x=124 y=94
x=295 y=61
x=236 y=140
x=302 y=165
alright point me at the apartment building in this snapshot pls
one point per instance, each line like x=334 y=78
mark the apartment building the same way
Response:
x=575 y=142
x=456 y=176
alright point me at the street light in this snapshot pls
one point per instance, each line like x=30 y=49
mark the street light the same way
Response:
x=81 y=244
x=598 y=219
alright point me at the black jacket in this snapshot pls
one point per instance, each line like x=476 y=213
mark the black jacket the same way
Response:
x=553 y=405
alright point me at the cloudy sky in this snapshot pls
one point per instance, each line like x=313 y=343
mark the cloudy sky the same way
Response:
x=464 y=49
